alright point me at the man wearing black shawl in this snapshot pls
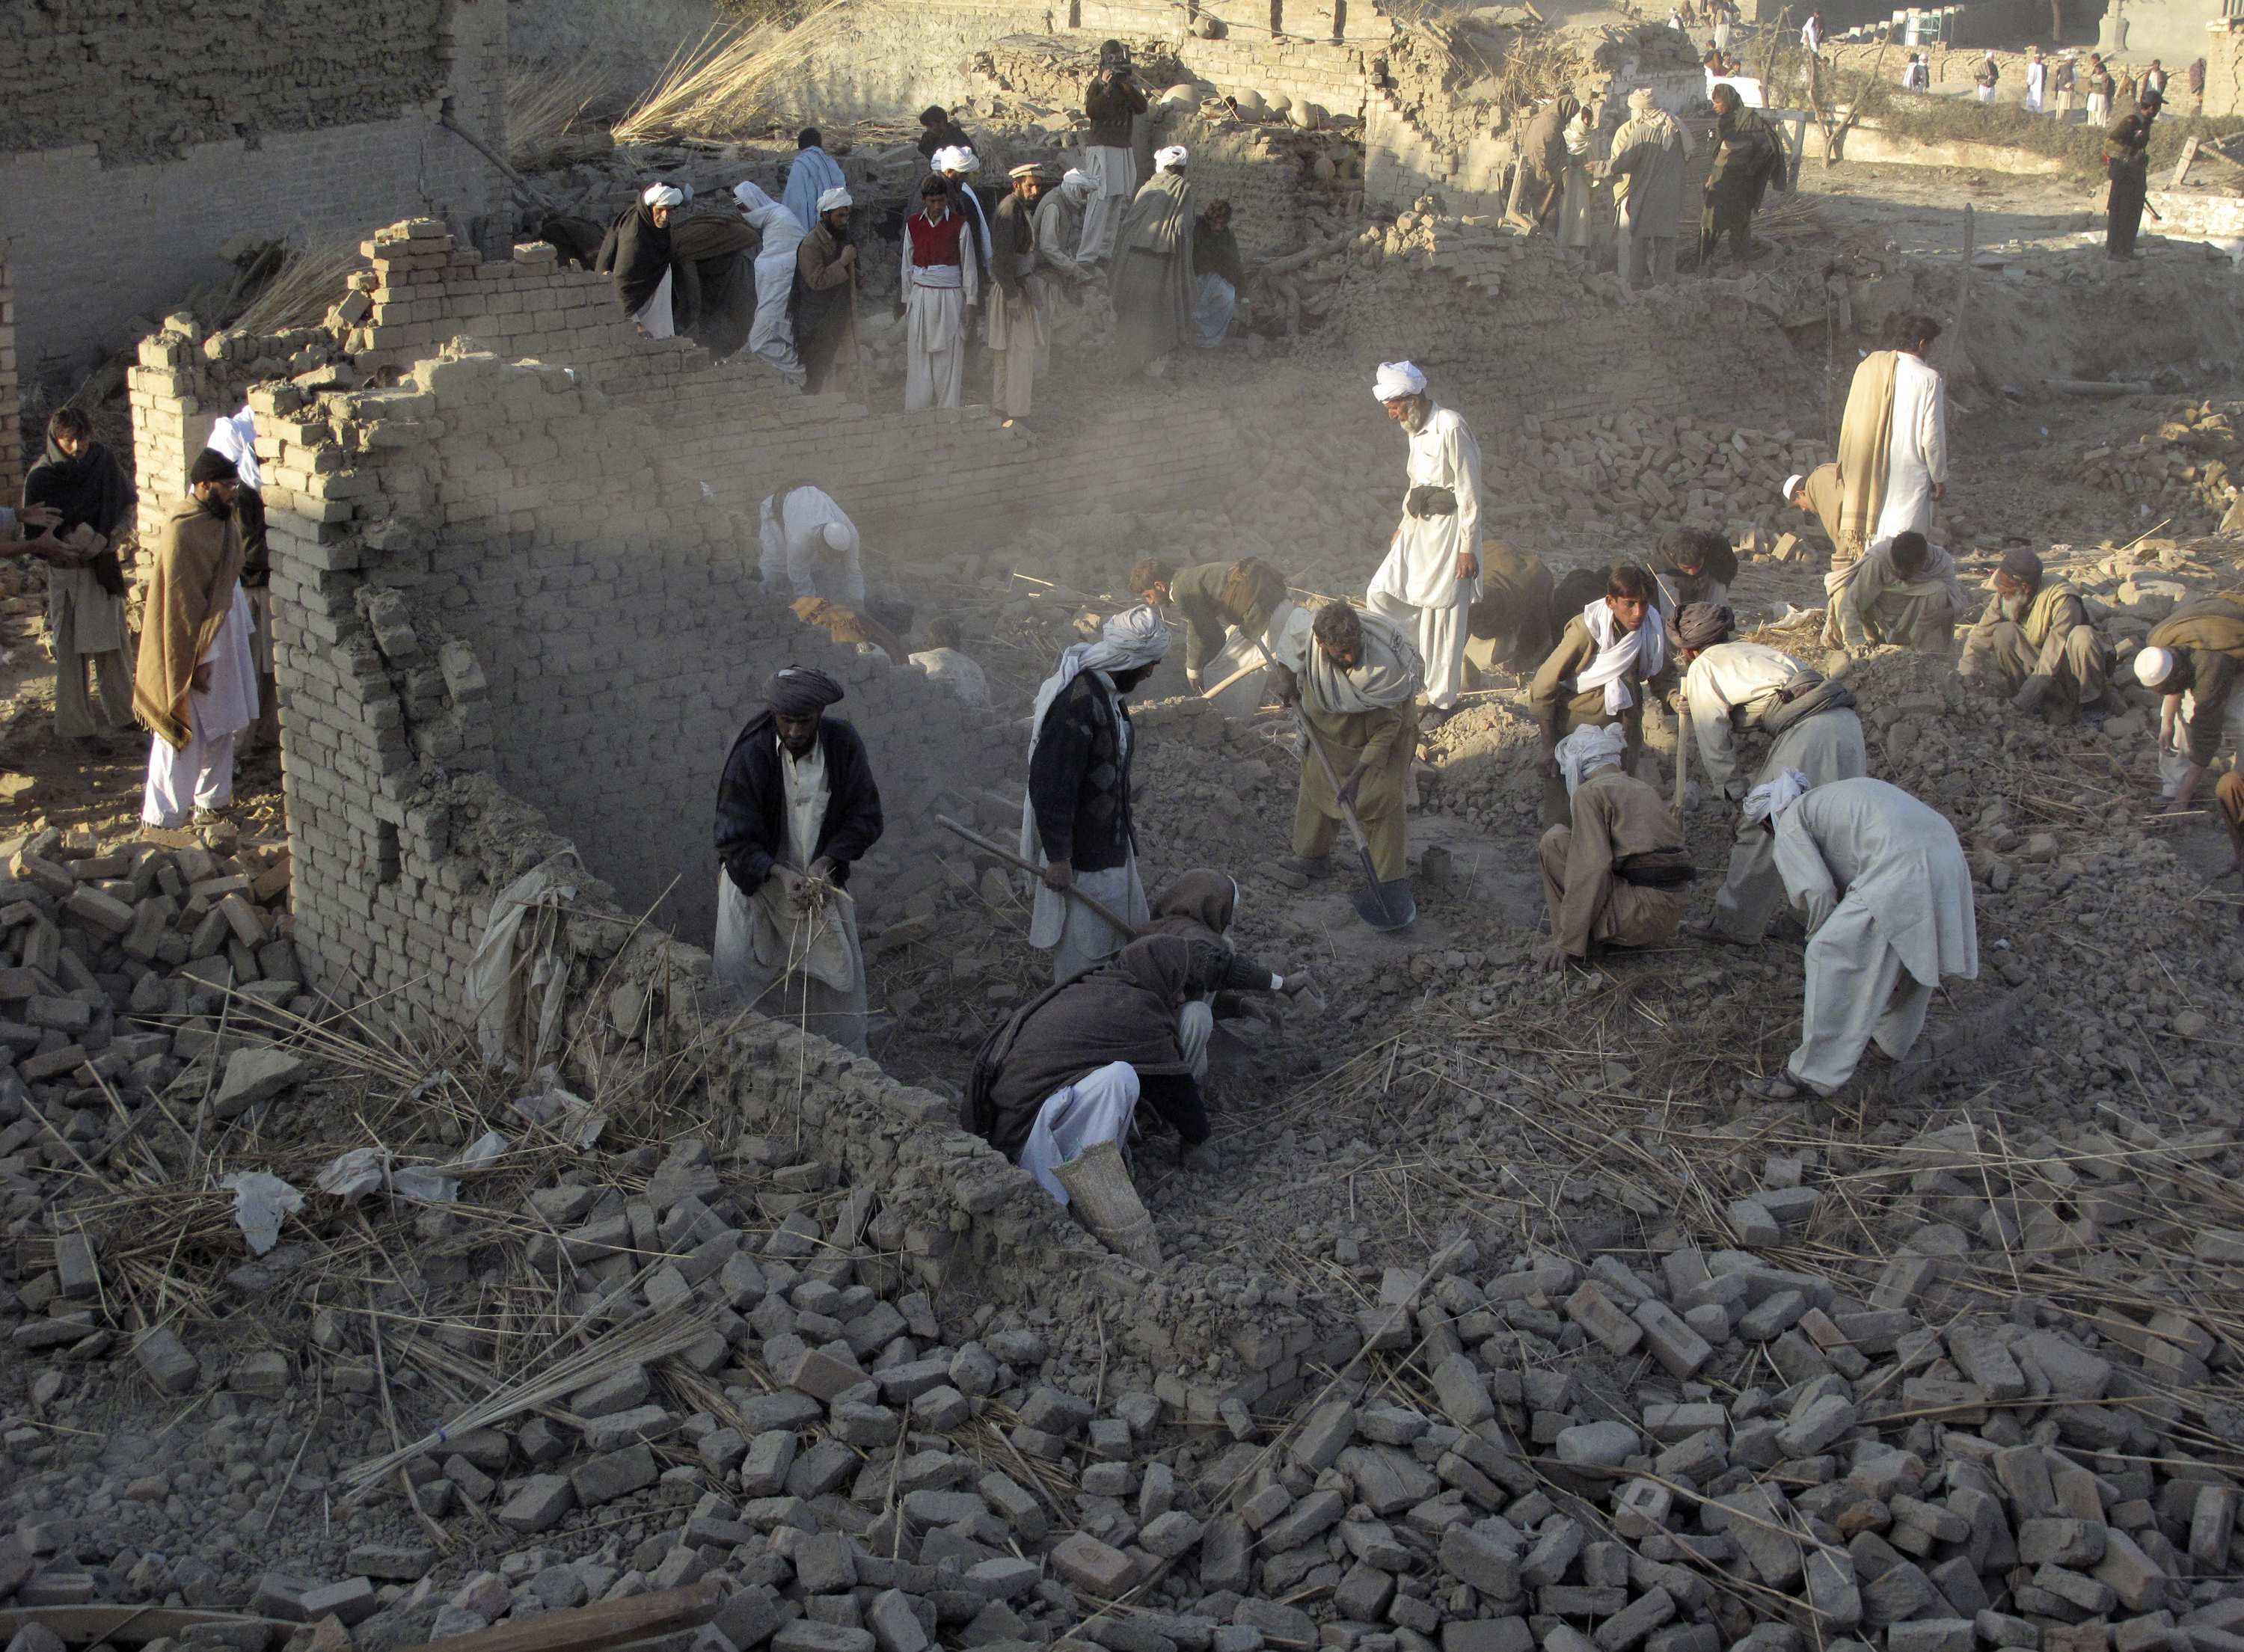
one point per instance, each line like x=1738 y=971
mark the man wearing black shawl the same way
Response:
x=81 y=481
x=636 y=252
x=795 y=809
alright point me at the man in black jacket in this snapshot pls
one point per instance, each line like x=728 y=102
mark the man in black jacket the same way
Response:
x=796 y=807
x=1113 y=100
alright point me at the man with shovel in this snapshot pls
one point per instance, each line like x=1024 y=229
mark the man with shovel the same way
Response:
x=1352 y=679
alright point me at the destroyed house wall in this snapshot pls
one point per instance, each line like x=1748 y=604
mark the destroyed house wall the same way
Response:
x=130 y=155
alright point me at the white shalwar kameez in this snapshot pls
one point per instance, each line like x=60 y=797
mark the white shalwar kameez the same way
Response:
x=1916 y=455
x=796 y=560
x=772 y=334
x=1735 y=679
x=2036 y=83
x=808 y=974
x=1096 y=1108
x=1417 y=585
x=201 y=776
x=654 y=316
x=1881 y=882
x=936 y=301
x=1115 y=171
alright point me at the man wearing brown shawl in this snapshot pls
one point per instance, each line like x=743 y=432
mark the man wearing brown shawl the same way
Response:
x=2036 y=641
x=1153 y=280
x=1201 y=905
x=1893 y=441
x=81 y=482
x=1613 y=873
x=1355 y=675
x=196 y=685
x=1543 y=162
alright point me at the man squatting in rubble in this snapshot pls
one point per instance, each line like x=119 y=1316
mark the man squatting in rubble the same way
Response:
x=1356 y=677
x=796 y=807
x=1212 y=597
x=1812 y=729
x=1075 y=822
x=2195 y=658
x=1879 y=880
x=1431 y=575
x=2036 y=641
x=1600 y=671
x=1614 y=875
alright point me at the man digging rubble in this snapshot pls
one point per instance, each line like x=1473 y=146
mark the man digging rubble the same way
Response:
x=1903 y=594
x=196 y=682
x=1431 y=575
x=1076 y=826
x=797 y=807
x=1879 y=880
x=1613 y=874
x=1600 y=671
x=1356 y=677
x=2194 y=658
x=808 y=547
x=1812 y=729
x=2036 y=642
x=1211 y=598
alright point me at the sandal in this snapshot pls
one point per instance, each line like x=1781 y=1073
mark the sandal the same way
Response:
x=1777 y=1086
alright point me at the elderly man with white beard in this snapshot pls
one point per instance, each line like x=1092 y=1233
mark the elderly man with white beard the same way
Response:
x=2036 y=642
x=1432 y=572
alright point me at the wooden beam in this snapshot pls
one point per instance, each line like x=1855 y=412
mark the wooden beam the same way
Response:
x=122 y=1625
x=595 y=1629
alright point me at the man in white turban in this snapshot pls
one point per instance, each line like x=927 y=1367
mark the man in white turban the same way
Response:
x=1076 y=824
x=1879 y=880
x=2194 y=659
x=1614 y=875
x=772 y=337
x=825 y=276
x=955 y=166
x=1432 y=571
x=1060 y=214
x=1154 y=280
x=1647 y=166
x=810 y=548
x=636 y=254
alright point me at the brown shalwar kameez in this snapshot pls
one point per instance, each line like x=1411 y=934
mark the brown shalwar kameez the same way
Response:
x=1615 y=815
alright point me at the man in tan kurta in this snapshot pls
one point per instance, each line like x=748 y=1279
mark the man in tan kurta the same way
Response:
x=1614 y=876
x=1599 y=673
x=2036 y=641
x=195 y=687
x=1356 y=676
x=1818 y=493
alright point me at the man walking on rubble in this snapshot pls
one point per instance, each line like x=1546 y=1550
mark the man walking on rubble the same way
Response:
x=1356 y=677
x=1212 y=597
x=1543 y=162
x=814 y=174
x=2194 y=658
x=1613 y=874
x=1749 y=158
x=195 y=687
x=1648 y=165
x=1730 y=685
x=1601 y=672
x=2127 y=160
x=2036 y=642
x=1879 y=881
x=1431 y=575
x=1076 y=823
x=796 y=808
x=1113 y=100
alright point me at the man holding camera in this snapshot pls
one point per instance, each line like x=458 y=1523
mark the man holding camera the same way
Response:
x=1113 y=100
x=1432 y=572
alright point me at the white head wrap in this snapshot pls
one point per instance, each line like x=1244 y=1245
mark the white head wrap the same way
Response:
x=2153 y=665
x=1078 y=182
x=1167 y=159
x=833 y=200
x=839 y=537
x=751 y=196
x=1769 y=801
x=1640 y=100
x=1396 y=379
x=1792 y=485
x=663 y=195
x=237 y=439
x=1135 y=638
x=1590 y=746
x=955 y=158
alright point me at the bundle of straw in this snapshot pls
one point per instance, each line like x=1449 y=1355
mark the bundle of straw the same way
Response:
x=542 y=106
x=727 y=79
x=638 y=1342
x=310 y=279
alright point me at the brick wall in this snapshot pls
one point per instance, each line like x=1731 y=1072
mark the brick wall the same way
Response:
x=105 y=232
x=11 y=455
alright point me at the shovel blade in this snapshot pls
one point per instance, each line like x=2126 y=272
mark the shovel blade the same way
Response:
x=1387 y=907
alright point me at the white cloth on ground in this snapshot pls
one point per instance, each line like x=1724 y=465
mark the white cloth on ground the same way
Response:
x=201 y=775
x=654 y=315
x=797 y=557
x=501 y=986
x=1644 y=649
x=1096 y=1108
x=955 y=671
x=1916 y=455
x=813 y=174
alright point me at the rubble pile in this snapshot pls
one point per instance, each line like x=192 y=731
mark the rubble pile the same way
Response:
x=2182 y=471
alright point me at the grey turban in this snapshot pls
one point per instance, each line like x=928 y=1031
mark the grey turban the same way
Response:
x=1703 y=624
x=800 y=690
x=2021 y=563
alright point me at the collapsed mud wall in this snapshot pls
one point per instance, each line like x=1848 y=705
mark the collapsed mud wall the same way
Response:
x=132 y=147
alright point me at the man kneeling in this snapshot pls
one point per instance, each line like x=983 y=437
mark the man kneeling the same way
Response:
x=1069 y=1069
x=2036 y=641
x=1615 y=876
